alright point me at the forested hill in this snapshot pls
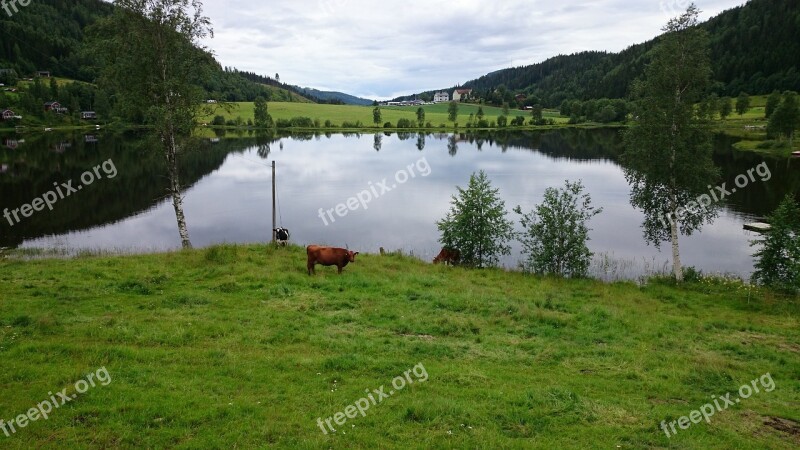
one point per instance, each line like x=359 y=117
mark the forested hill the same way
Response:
x=49 y=35
x=754 y=48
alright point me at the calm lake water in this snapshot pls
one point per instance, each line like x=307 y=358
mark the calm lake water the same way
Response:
x=228 y=194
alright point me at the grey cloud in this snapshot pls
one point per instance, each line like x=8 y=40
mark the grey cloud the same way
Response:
x=379 y=49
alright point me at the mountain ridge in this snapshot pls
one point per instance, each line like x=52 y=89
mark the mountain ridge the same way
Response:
x=737 y=38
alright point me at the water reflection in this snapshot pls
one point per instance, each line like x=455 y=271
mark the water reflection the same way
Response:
x=228 y=190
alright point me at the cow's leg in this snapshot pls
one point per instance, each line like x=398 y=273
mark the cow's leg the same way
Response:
x=340 y=268
x=310 y=266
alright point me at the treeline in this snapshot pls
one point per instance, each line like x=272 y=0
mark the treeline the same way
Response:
x=754 y=49
x=231 y=85
x=601 y=111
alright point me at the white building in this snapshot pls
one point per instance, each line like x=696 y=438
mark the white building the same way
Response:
x=462 y=94
x=441 y=97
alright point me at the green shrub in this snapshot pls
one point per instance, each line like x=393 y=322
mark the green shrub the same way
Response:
x=302 y=122
x=778 y=259
x=555 y=232
x=476 y=224
x=405 y=123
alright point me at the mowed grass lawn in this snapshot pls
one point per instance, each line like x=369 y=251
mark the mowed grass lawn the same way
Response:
x=237 y=347
x=337 y=114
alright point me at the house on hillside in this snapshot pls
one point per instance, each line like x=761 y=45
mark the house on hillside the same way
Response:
x=520 y=98
x=52 y=106
x=88 y=115
x=43 y=74
x=13 y=144
x=441 y=97
x=8 y=114
x=462 y=94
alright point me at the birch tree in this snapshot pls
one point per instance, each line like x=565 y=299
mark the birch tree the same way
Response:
x=153 y=63
x=668 y=147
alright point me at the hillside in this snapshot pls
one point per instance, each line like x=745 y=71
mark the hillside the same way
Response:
x=754 y=48
x=49 y=35
x=335 y=97
x=238 y=347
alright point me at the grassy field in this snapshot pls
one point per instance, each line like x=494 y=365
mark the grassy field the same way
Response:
x=337 y=114
x=237 y=347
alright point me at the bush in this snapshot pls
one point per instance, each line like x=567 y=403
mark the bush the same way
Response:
x=302 y=122
x=778 y=260
x=518 y=121
x=283 y=123
x=218 y=121
x=328 y=124
x=555 y=233
x=483 y=123
x=388 y=125
x=476 y=224
x=405 y=123
x=357 y=124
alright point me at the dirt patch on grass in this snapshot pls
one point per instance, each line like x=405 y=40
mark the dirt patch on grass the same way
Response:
x=426 y=337
x=787 y=426
x=665 y=401
x=747 y=338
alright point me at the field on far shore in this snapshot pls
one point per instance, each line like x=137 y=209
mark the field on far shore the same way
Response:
x=337 y=114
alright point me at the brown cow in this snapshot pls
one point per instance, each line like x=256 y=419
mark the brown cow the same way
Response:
x=328 y=256
x=448 y=256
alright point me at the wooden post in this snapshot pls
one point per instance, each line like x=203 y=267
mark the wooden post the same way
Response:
x=274 y=225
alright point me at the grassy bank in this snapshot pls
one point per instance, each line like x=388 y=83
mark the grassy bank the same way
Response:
x=237 y=347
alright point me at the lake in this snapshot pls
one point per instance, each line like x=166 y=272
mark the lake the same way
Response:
x=400 y=185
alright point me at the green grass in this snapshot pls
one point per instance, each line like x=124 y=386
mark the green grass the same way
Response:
x=237 y=347
x=337 y=114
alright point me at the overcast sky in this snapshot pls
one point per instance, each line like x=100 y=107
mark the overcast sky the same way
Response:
x=385 y=48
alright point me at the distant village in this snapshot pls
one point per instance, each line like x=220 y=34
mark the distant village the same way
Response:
x=439 y=97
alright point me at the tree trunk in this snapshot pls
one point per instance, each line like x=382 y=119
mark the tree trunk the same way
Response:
x=175 y=189
x=677 y=269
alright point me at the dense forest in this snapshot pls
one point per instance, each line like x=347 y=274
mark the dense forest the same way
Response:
x=754 y=49
x=49 y=35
